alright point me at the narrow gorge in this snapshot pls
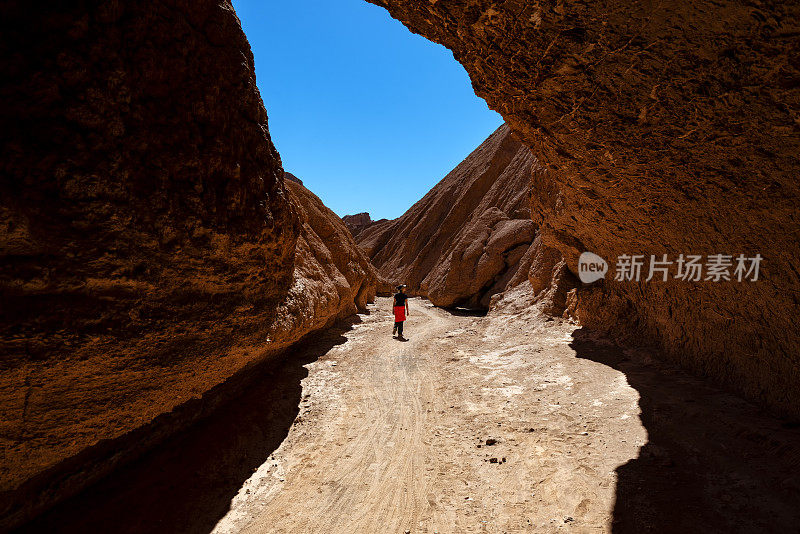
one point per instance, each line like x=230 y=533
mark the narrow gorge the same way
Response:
x=471 y=237
x=166 y=285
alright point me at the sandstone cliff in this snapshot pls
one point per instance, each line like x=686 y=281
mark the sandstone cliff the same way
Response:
x=464 y=241
x=148 y=249
x=667 y=128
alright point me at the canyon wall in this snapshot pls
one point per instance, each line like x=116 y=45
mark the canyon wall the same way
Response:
x=148 y=249
x=463 y=241
x=663 y=128
x=333 y=278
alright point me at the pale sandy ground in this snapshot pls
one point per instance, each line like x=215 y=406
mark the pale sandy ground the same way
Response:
x=393 y=436
x=389 y=436
x=383 y=436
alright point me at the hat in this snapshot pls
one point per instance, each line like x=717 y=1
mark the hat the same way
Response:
x=401 y=286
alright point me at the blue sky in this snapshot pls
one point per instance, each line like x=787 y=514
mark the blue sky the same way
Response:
x=367 y=114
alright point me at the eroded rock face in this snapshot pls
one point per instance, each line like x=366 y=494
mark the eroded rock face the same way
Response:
x=333 y=279
x=147 y=244
x=664 y=128
x=356 y=223
x=462 y=243
x=292 y=178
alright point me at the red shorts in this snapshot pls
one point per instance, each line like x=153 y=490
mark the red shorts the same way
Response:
x=399 y=313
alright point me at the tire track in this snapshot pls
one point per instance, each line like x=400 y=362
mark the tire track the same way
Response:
x=369 y=473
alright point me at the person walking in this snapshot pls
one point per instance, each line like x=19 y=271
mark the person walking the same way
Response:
x=400 y=308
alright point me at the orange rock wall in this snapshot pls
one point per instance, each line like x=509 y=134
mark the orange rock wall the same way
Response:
x=668 y=127
x=149 y=250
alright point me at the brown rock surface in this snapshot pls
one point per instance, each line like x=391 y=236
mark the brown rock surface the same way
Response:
x=462 y=243
x=292 y=178
x=356 y=223
x=333 y=278
x=664 y=128
x=147 y=244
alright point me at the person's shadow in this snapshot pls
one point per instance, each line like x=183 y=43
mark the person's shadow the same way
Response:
x=186 y=484
x=713 y=462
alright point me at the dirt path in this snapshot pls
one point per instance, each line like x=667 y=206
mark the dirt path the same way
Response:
x=513 y=422
x=359 y=463
x=393 y=436
x=396 y=437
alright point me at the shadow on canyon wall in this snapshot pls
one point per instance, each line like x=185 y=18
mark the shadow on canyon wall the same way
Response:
x=187 y=483
x=713 y=462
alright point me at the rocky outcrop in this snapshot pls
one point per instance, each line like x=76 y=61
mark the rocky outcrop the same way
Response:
x=333 y=279
x=463 y=242
x=356 y=223
x=360 y=222
x=147 y=243
x=292 y=178
x=663 y=128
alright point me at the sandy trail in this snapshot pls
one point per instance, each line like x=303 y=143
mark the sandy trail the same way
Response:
x=513 y=422
x=401 y=441
x=395 y=445
x=377 y=436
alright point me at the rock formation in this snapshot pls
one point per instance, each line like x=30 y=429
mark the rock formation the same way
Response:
x=148 y=249
x=668 y=128
x=465 y=240
x=332 y=277
x=292 y=178
x=356 y=223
